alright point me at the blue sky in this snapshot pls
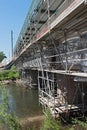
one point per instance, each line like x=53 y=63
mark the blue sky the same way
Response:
x=12 y=16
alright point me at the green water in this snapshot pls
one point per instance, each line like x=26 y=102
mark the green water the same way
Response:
x=23 y=102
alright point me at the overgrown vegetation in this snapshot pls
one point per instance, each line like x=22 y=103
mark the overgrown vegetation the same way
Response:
x=50 y=123
x=9 y=74
x=82 y=124
x=8 y=120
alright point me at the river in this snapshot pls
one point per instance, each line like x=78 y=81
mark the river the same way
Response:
x=23 y=102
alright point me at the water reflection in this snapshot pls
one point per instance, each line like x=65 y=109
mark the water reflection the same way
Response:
x=24 y=102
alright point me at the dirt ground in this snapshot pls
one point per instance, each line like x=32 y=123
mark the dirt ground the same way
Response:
x=33 y=122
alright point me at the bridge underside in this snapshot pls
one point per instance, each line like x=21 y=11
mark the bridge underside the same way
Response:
x=52 y=54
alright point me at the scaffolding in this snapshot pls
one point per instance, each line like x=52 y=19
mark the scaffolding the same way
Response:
x=53 y=41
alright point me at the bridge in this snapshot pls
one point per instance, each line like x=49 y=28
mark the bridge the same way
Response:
x=51 y=52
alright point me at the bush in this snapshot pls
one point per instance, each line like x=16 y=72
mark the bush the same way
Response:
x=9 y=74
x=4 y=74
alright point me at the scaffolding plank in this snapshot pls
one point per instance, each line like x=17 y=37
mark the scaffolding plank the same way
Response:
x=72 y=73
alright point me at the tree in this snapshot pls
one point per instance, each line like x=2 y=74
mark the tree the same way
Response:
x=2 y=56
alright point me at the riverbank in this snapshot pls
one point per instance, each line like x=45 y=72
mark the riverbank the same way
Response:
x=6 y=82
x=24 y=83
x=17 y=82
x=32 y=122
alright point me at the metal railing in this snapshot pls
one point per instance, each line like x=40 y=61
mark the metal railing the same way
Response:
x=35 y=5
x=31 y=14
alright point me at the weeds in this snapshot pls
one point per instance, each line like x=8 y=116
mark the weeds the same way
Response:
x=8 y=120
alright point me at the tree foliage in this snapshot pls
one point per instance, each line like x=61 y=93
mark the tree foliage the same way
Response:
x=2 y=56
x=9 y=74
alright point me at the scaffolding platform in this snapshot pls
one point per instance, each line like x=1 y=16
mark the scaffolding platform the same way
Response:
x=64 y=72
x=57 y=108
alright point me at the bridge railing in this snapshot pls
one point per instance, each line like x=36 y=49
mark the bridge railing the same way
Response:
x=46 y=26
x=35 y=5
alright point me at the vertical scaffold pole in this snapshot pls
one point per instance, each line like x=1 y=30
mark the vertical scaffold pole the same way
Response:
x=12 y=42
x=48 y=9
x=66 y=58
x=38 y=84
x=53 y=94
x=83 y=100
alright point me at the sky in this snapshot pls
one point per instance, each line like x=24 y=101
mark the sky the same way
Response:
x=12 y=16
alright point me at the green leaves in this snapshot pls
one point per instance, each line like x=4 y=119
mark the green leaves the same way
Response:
x=8 y=120
x=9 y=74
x=2 y=56
x=50 y=123
x=13 y=73
x=81 y=123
